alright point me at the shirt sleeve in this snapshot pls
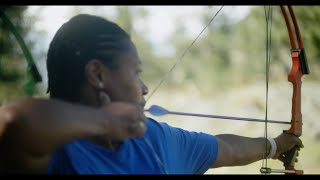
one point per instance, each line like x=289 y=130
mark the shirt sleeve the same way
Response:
x=193 y=152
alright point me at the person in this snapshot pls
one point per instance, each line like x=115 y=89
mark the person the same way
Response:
x=94 y=122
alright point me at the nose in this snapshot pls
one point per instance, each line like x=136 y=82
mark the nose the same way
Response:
x=145 y=89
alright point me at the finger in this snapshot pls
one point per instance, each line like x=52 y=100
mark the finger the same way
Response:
x=144 y=118
x=299 y=143
x=132 y=130
x=141 y=113
x=138 y=128
x=281 y=158
x=143 y=126
x=140 y=116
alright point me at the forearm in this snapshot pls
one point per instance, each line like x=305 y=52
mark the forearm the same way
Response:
x=238 y=150
x=42 y=125
x=39 y=126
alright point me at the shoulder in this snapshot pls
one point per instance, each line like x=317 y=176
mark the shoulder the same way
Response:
x=151 y=122
x=156 y=125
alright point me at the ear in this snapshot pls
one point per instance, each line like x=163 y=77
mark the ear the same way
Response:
x=94 y=71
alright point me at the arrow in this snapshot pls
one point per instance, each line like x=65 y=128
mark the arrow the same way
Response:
x=160 y=111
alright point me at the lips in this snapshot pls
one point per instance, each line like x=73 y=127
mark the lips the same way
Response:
x=142 y=104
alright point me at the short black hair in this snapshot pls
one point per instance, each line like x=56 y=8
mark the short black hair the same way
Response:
x=82 y=38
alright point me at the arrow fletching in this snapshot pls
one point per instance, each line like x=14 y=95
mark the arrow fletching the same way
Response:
x=157 y=110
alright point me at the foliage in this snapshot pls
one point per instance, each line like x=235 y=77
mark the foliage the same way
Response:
x=232 y=54
x=12 y=63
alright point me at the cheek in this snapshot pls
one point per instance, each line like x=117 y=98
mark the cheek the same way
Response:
x=129 y=89
x=135 y=88
x=126 y=87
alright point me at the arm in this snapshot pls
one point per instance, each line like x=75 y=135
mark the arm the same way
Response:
x=39 y=126
x=236 y=150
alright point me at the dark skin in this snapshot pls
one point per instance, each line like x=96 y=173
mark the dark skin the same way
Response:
x=32 y=128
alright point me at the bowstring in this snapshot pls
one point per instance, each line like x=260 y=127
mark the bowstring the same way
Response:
x=268 y=15
x=183 y=54
x=156 y=156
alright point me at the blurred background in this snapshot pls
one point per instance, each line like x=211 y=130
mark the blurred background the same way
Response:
x=224 y=73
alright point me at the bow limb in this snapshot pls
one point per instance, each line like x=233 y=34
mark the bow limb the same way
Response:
x=33 y=73
x=298 y=69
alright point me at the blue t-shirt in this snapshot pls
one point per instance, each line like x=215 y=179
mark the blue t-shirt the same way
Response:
x=162 y=150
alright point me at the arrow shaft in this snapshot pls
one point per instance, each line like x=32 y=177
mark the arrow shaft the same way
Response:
x=225 y=117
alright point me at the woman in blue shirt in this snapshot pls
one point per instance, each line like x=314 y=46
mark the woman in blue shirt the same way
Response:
x=94 y=121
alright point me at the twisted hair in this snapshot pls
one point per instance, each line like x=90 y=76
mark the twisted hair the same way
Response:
x=82 y=38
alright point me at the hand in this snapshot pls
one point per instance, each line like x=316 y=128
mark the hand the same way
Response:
x=126 y=120
x=286 y=142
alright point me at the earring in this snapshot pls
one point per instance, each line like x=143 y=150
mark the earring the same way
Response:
x=103 y=97
x=101 y=85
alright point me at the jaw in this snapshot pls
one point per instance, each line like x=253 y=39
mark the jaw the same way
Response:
x=89 y=96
